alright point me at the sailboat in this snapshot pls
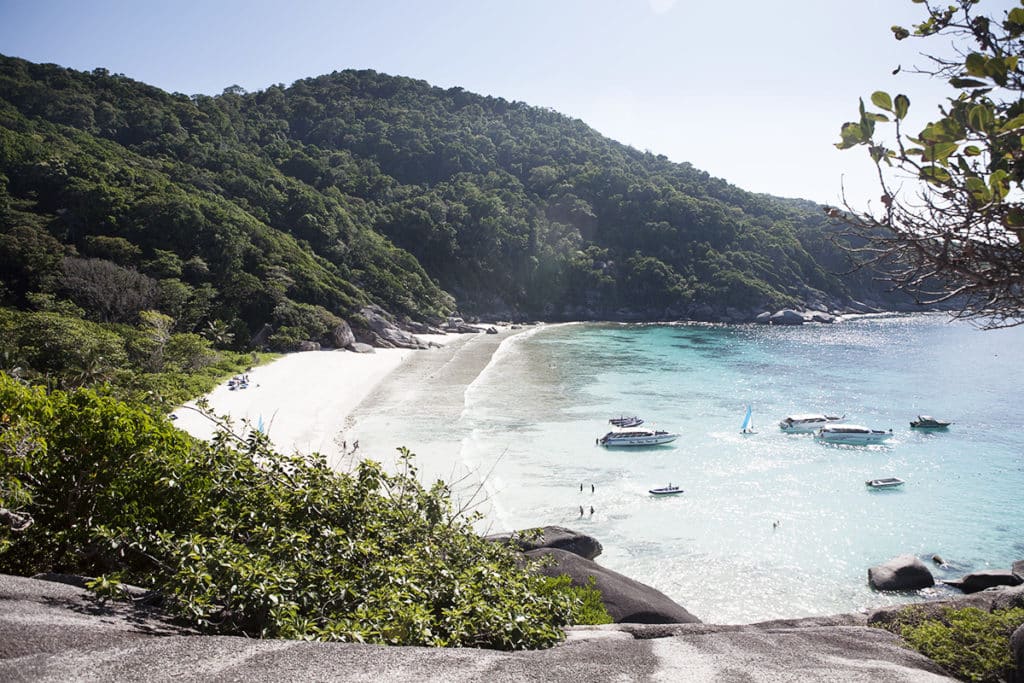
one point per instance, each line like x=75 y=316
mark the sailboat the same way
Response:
x=747 y=427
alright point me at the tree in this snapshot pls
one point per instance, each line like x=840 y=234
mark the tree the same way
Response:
x=957 y=238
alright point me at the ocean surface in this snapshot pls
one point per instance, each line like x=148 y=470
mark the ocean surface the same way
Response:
x=771 y=525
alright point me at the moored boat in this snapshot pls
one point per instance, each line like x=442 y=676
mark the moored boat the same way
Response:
x=637 y=436
x=806 y=422
x=626 y=422
x=669 y=490
x=851 y=434
x=928 y=422
x=884 y=483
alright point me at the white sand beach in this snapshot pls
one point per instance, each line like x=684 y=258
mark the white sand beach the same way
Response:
x=306 y=401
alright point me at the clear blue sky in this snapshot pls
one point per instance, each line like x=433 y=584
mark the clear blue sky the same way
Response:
x=750 y=91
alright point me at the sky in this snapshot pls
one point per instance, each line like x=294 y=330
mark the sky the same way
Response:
x=750 y=91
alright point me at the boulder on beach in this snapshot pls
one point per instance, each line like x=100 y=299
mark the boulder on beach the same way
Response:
x=552 y=537
x=979 y=581
x=627 y=600
x=903 y=573
x=786 y=316
x=360 y=347
x=381 y=331
x=341 y=336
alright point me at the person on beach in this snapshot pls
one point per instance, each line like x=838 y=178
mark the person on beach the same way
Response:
x=591 y=488
x=581 y=488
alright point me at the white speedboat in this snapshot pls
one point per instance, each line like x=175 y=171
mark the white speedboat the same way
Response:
x=669 y=490
x=851 y=434
x=624 y=421
x=637 y=436
x=884 y=483
x=806 y=422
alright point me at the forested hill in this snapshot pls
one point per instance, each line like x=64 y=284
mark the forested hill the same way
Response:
x=297 y=205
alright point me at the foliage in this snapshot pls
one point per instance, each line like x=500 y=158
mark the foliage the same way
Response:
x=970 y=643
x=357 y=187
x=959 y=238
x=593 y=611
x=240 y=539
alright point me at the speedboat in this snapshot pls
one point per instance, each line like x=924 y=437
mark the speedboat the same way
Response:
x=633 y=421
x=884 y=483
x=669 y=490
x=851 y=434
x=807 y=422
x=928 y=422
x=637 y=436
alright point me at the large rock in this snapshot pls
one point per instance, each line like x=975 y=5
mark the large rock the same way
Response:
x=821 y=317
x=979 y=581
x=552 y=537
x=1018 y=571
x=53 y=632
x=360 y=347
x=763 y=318
x=628 y=601
x=385 y=333
x=341 y=337
x=309 y=346
x=903 y=573
x=786 y=316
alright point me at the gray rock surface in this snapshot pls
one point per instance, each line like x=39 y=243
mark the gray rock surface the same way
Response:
x=627 y=600
x=979 y=581
x=1003 y=597
x=558 y=537
x=309 y=346
x=383 y=332
x=903 y=573
x=360 y=347
x=1018 y=570
x=341 y=336
x=786 y=316
x=763 y=318
x=53 y=632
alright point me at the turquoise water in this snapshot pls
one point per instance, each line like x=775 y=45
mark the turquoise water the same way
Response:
x=530 y=420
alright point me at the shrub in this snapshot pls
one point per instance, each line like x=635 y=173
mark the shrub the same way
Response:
x=243 y=540
x=970 y=643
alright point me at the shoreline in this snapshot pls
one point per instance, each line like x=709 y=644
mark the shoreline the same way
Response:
x=318 y=401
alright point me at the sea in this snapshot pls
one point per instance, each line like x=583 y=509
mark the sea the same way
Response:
x=770 y=525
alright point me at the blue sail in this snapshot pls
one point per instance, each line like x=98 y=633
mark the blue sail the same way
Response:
x=259 y=425
x=746 y=420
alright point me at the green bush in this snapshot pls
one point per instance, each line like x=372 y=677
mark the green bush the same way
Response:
x=243 y=540
x=970 y=643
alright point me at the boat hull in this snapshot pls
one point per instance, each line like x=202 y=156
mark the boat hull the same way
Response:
x=854 y=439
x=625 y=441
x=665 y=491
x=887 y=483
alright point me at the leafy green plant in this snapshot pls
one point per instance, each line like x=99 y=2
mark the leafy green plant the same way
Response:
x=970 y=643
x=243 y=540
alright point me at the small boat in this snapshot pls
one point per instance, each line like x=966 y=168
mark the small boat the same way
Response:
x=884 y=483
x=747 y=427
x=928 y=422
x=851 y=434
x=807 y=422
x=669 y=490
x=637 y=436
x=627 y=422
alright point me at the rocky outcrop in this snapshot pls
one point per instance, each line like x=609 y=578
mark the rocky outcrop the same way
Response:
x=1018 y=571
x=557 y=537
x=54 y=632
x=341 y=337
x=460 y=326
x=360 y=347
x=309 y=346
x=1004 y=597
x=381 y=331
x=787 y=316
x=979 y=581
x=628 y=601
x=903 y=573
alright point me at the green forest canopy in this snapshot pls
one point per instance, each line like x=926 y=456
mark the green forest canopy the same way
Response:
x=296 y=206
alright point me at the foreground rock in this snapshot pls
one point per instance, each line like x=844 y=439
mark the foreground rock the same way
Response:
x=53 y=632
x=903 y=573
x=628 y=601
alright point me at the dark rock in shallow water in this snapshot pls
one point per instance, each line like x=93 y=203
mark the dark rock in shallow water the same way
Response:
x=553 y=537
x=903 y=573
x=628 y=601
x=979 y=581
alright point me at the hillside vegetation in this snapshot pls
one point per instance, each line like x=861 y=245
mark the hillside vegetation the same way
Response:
x=295 y=204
